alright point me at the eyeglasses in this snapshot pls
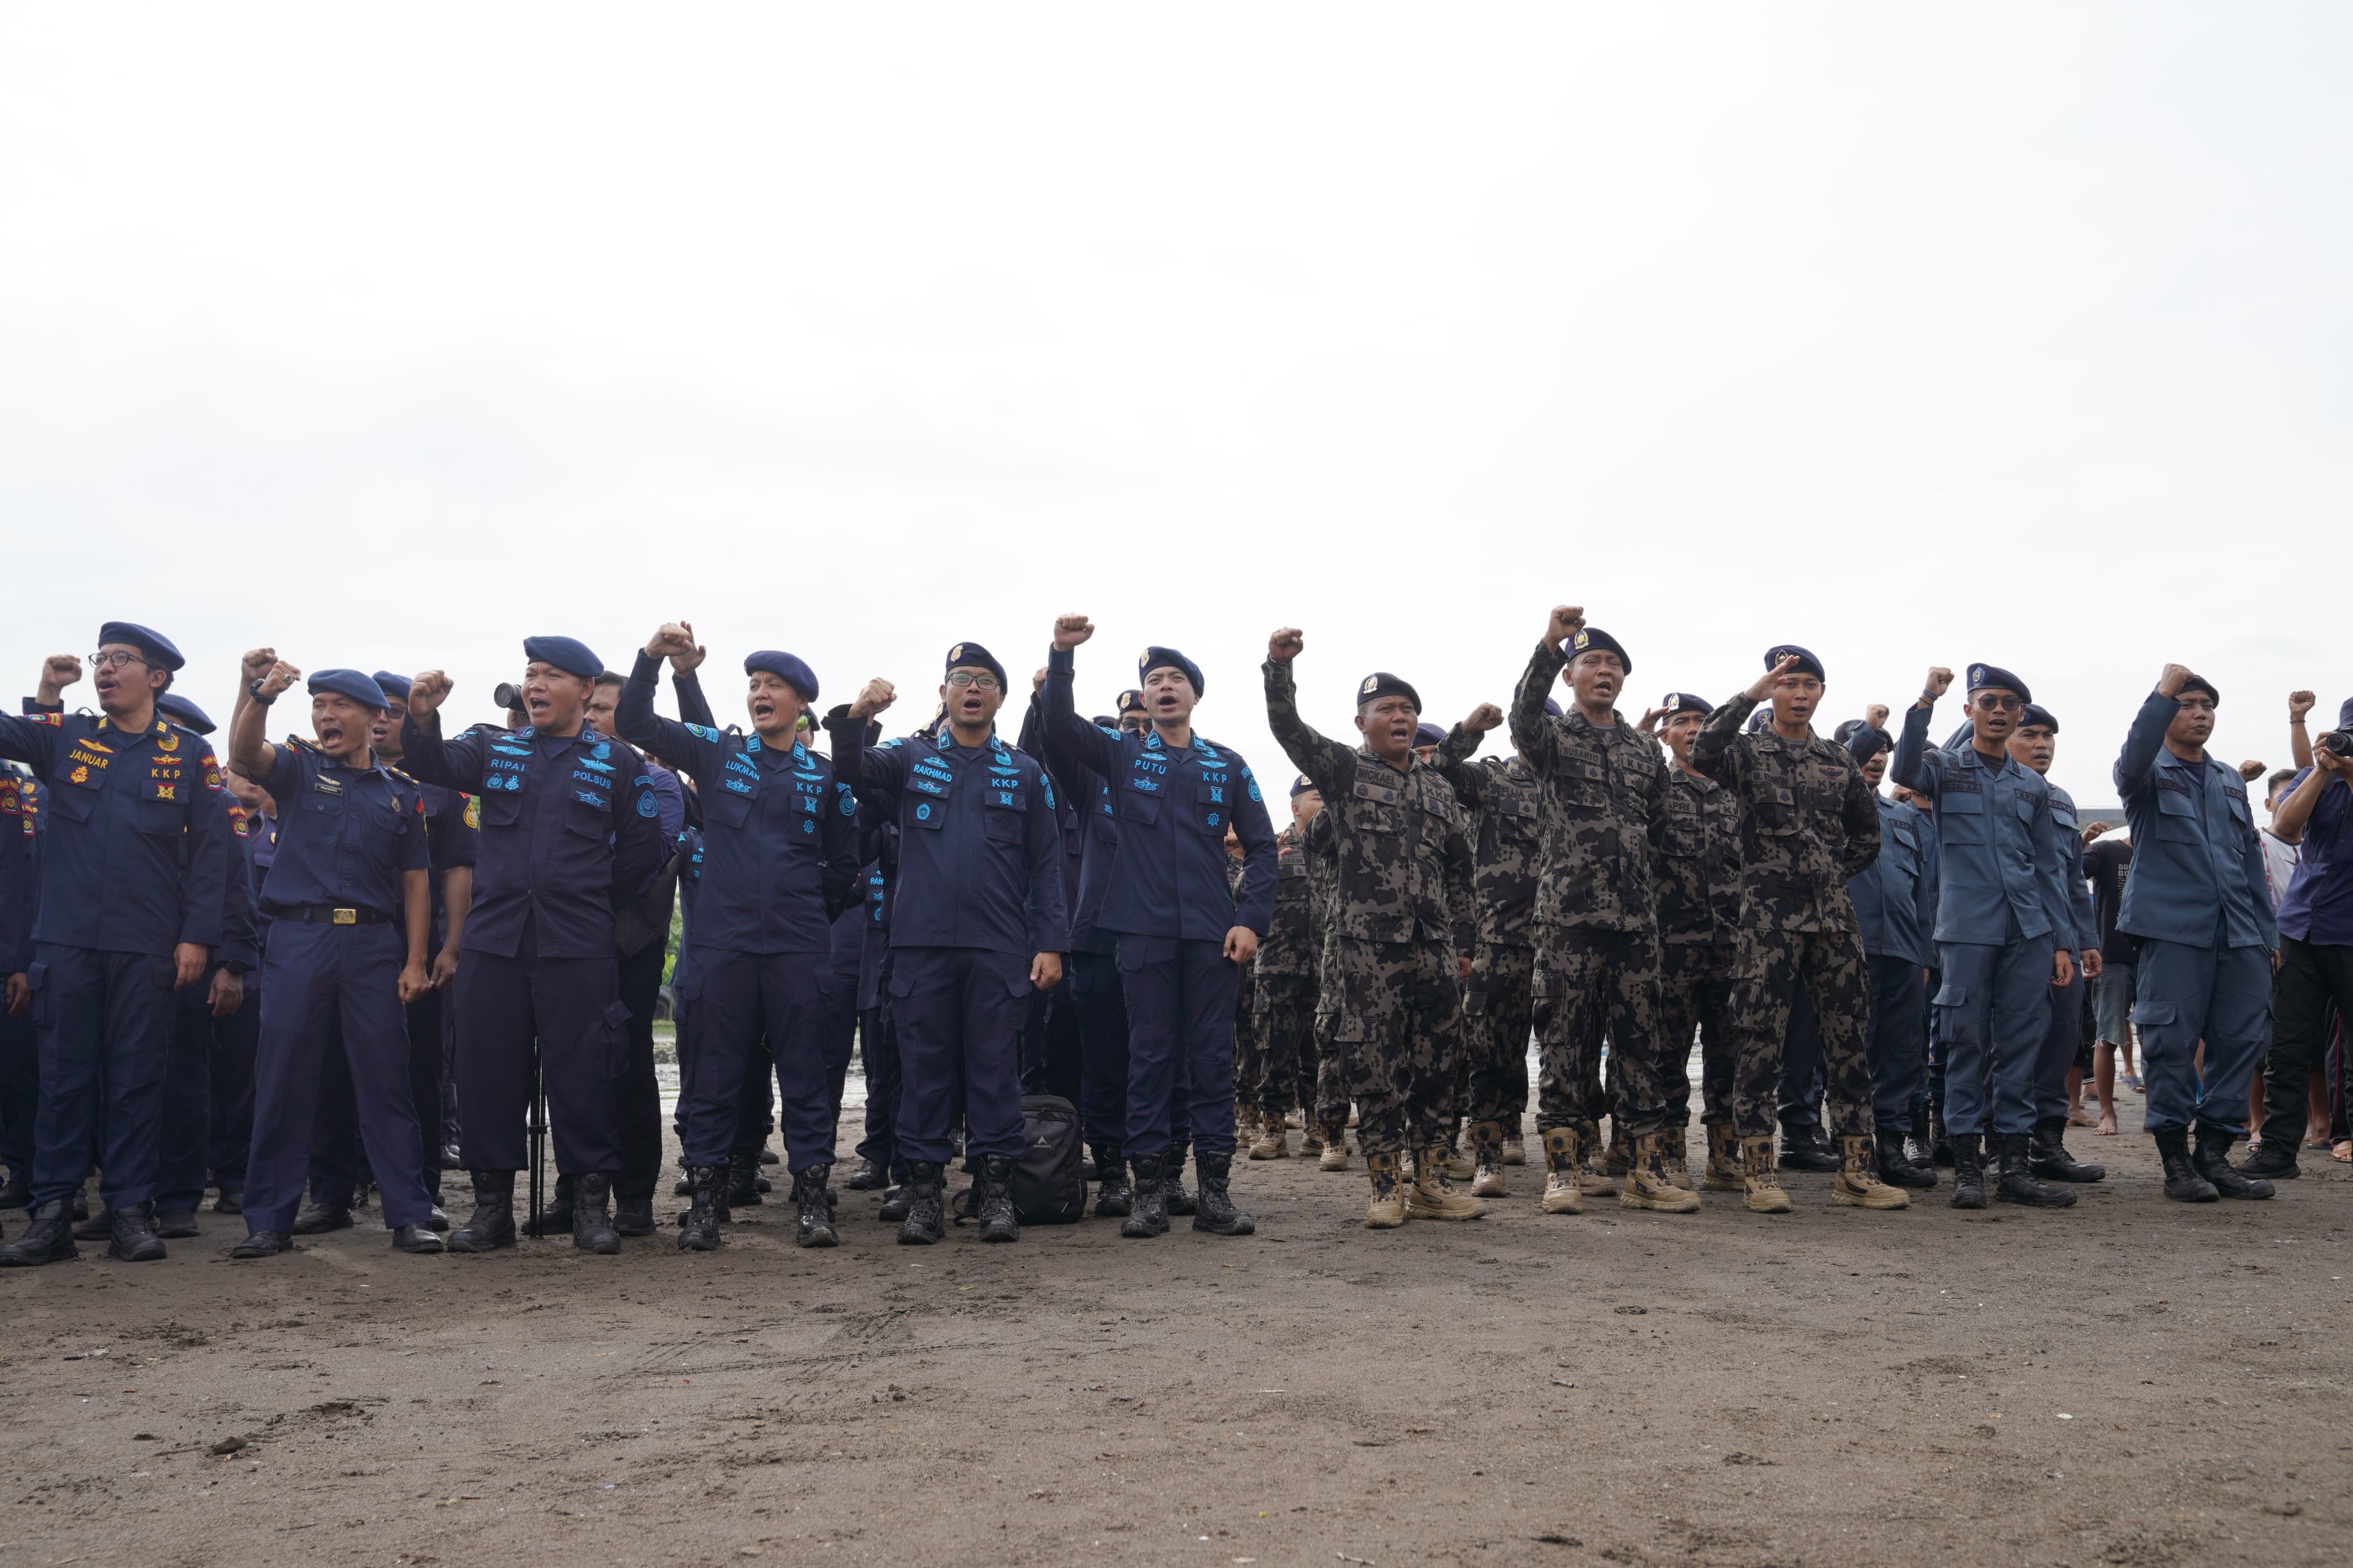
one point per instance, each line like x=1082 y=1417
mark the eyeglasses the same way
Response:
x=115 y=661
x=971 y=678
x=1999 y=702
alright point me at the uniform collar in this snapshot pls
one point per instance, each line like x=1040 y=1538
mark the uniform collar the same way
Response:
x=1411 y=762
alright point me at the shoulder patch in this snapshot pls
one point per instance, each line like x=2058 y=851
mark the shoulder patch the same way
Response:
x=473 y=811
x=702 y=731
x=54 y=720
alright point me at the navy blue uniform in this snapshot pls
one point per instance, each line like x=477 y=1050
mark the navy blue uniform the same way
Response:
x=2197 y=900
x=1169 y=902
x=978 y=895
x=571 y=831
x=779 y=861
x=2002 y=911
x=20 y=871
x=878 y=1042
x=185 y=1152
x=2067 y=1032
x=338 y=940
x=1888 y=903
x=1096 y=995
x=135 y=861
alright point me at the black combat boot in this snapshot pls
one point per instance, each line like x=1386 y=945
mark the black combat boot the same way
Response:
x=419 y=1239
x=324 y=1213
x=2014 y=1182
x=868 y=1177
x=591 y=1230
x=80 y=1206
x=1940 y=1144
x=1089 y=1170
x=17 y=1193
x=2213 y=1160
x=438 y=1220
x=769 y=1156
x=176 y=1224
x=1968 y=1171
x=263 y=1244
x=1172 y=1195
x=48 y=1239
x=1148 y=1211
x=1919 y=1144
x=2274 y=1161
x=1216 y=1213
x=556 y=1218
x=1805 y=1147
x=493 y=1225
x=992 y=1187
x=697 y=1227
x=96 y=1227
x=231 y=1200
x=2048 y=1158
x=924 y=1224
x=135 y=1240
x=743 y=1179
x=895 y=1202
x=1894 y=1168
x=2183 y=1184
x=633 y=1216
x=813 y=1200
x=1113 y=1198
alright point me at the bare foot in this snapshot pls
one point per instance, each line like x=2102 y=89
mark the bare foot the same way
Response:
x=2316 y=1137
x=2079 y=1117
x=2107 y=1127
x=2342 y=1151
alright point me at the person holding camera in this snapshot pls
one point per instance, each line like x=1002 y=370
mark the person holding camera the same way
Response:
x=2315 y=935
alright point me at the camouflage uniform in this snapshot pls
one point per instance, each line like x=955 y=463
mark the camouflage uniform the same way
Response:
x=1698 y=882
x=1505 y=801
x=1322 y=843
x=1403 y=910
x=1807 y=825
x=1284 y=996
x=1250 y=1043
x=1596 y=932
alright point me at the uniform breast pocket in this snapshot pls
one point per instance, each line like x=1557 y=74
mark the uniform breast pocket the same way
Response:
x=501 y=808
x=1212 y=806
x=2030 y=806
x=1003 y=817
x=926 y=813
x=1139 y=806
x=588 y=818
x=1962 y=817
x=1777 y=811
x=727 y=809
x=73 y=805
x=1584 y=782
x=2176 y=816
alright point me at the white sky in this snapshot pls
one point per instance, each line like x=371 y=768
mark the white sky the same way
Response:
x=1911 y=334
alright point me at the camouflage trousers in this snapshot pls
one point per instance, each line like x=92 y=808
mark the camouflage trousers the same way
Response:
x=1284 y=1023
x=1773 y=965
x=1588 y=980
x=1497 y=1011
x=1695 y=981
x=1395 y=1010
x=1250 y=1041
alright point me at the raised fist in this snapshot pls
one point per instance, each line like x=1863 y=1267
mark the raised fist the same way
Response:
x=1285 y=645
x=58 y=671
x=2175 y=678
x=1567 y=621
x=692 y=656
x=875 y=696
x=257 y=662
x=2299 y=703
x=1483 y=718
x=671 y=640
x=2251 y=771
x=1875 y=715
x=1069 y=631
x=1941 y=680
x=281 y=676
x=425 y=693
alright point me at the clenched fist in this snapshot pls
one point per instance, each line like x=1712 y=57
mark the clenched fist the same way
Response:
x=1069 y=631
x=1941 y=680
x=1567 y=621
x=1483 y=718
x=257 y=662
x=1875 y=715
x=281 y=676
x=58 y=671
x=2175 y=678
x=875 y=696
x=671 y=640
x=428 y=692
x=1285 y=645
x=2299 y=703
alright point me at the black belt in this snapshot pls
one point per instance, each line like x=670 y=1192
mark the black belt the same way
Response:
x=328 y=915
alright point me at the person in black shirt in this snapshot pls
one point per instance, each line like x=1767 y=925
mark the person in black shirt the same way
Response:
x=2107 y=862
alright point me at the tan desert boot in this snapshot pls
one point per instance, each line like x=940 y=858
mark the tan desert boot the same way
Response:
x=1764 y=1193
x=1724 y=1174
x=1388 y=1210
x=1617 y=1159
x=1311 y=1142
x=1273 y=1140
x=1858 y=1185
x=1434 y=1195
x=1563 y=1193
x=1335 y=1150
x=1674 y=1149
x=1516 y=1153
x=1647 y=1183
x=1487 y=1160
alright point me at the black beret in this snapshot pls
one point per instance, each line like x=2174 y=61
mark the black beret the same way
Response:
x=1427 y=734
x=1301 y=785
x=784 y=667
x=1675 y=702
x=1993 y=678
x=972 y=655
x=1130 y=701
x=1159 y=657
x=2199 y=683
x=1593 y=639
x=156 y=646
x=1381 y=684
x=1807 y=663
x=569 y=655
x=2038 y=714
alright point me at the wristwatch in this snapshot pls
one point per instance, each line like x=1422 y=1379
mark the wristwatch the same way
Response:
x=253 y=689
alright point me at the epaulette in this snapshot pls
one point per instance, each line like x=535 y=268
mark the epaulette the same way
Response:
x=403 y=777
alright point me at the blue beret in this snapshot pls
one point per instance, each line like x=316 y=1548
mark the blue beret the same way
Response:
x=1593 y=639
x=1552 y=709
x=361 y=689
x=1130 y=701
x=2038 y=714
x=1301 y=785
x=569 y=655
x=1381 y=684
x=972 y=655
x=1675 y=702
x=1993 y=678
x=1427 y=734
x=1807 y=663
x=1876 y=741
x=1105 y=721
x=784 y=667
x=156 y=646
x=1159 y=657
x=396 y=686
x=1758 y=719
x=183 y=713
x=2345 y=714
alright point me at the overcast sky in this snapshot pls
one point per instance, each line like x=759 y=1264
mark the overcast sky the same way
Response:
x=1913 y=334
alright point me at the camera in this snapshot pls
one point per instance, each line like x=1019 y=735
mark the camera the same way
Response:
x=2337 y=740
x=508 y=695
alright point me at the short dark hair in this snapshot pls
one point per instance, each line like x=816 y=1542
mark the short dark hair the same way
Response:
x=2281 y=776
x=609 y=678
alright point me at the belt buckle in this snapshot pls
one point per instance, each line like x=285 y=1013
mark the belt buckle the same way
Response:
x=347 y=917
